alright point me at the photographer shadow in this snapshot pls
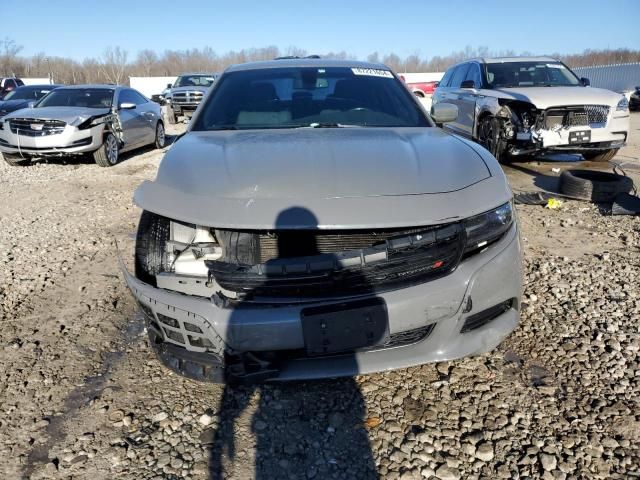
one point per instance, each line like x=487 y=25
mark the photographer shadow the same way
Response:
x=300 y=429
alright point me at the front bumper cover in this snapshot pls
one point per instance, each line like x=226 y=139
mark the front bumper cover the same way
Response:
x=483 y=280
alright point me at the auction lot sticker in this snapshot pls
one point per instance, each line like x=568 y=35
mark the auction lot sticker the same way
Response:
x=372 y=72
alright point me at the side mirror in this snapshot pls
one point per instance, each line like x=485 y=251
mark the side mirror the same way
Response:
x=168 y=85
x=127 y=106
x=31 y=104
x=585 y=81
x=444 y=112
x=468 y=84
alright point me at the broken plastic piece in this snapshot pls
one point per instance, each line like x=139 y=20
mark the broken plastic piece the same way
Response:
x=554 y=204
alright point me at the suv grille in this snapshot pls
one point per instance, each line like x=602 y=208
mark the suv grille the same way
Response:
x=191 y=97
x=320 y=265
x=594 y=116
x=32 y=127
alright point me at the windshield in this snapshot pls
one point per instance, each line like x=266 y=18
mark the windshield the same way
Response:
x=195 y=81
x=27 y=93
x=530 y=74
x=309 y=97
x=78 y=97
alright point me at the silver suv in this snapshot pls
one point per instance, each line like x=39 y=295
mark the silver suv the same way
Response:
x=312 y=223
x=530 y=105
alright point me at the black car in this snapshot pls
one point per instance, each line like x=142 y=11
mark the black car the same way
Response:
x=9 y=83
x=634 y=101
x=21 y=97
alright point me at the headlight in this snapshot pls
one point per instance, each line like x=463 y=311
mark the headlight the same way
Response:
x=488 y=227
x=623 y=105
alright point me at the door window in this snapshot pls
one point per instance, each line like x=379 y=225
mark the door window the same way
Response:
x=474 y=74
x=459 y=75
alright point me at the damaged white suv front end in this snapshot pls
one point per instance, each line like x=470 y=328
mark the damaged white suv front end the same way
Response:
x=529 y=106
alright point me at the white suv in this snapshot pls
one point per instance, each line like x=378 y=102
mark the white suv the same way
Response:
x=530 y=105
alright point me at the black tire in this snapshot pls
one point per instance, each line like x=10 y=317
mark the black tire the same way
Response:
x=172 y=118
x=600 y=155
x=594 y=186
x=489 y=137
x=16 y=160
x=161 y=138
x=109 y=152
x=151 y=239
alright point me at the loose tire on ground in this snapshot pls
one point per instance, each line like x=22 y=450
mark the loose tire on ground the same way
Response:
x=15 y=160
x=151 y=239
x=600 y=155
x=108 y=153
x=594 y=186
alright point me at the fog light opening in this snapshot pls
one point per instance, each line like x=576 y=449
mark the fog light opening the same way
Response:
x=480 y=319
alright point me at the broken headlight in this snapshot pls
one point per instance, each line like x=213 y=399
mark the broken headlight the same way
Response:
x=488 y=227
x=623 y=105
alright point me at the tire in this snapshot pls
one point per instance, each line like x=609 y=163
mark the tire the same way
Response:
x=594 y=186
x=16 y=160
x=108 y=153
x=600 y=155
x=489 y=137
x=161 y=139
x=172 y=118
x=151 y=239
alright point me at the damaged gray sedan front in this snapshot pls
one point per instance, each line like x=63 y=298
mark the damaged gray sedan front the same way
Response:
x=104 y=120
x=320 y=226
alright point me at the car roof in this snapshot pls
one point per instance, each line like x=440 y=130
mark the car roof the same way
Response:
x=305 y=62
x=196 y=73
x=95 y=85
x=41 y=85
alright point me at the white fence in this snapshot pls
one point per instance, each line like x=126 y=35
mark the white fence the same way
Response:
x=149 y=86
x=619 y=78
x=36 y=81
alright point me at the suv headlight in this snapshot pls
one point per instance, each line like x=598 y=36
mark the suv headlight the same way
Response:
x=623 y=105
x=487 y=227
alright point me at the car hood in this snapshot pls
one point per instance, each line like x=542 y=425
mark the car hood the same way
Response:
x=348 y=177
x=189 y=89
x=545 y=97
x=70 y=115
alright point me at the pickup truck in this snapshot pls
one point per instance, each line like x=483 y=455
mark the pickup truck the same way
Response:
x=186 y=93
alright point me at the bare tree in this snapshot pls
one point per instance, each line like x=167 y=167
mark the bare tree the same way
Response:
x=114 y=65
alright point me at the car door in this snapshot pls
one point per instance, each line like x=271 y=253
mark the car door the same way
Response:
x=467 y=97
x=150 y=112
x=133 y=121
x=452 y=95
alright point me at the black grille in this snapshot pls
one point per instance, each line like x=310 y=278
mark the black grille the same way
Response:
x=397 y=260
x=31 y=127
x=577 y=116
x=187 y=97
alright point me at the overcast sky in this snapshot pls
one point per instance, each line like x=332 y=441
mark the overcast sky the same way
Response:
x=79 y=29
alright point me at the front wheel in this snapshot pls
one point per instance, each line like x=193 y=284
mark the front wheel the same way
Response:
x=16 y=160
x=108 y=153
x=600 y=155
x=161 y=138
x=151 y=239
x=490 y=137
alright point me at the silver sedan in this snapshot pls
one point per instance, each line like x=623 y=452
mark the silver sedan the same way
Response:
x=104 y=120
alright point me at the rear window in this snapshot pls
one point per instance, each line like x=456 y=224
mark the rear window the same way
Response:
x=309 y=96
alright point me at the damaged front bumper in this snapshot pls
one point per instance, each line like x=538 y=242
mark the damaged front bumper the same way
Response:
x=70 y=141
x=467 y=312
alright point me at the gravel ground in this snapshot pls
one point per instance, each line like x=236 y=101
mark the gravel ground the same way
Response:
x=81 y=395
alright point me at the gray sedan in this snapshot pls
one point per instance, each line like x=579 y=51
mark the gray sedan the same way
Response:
x=104 y=120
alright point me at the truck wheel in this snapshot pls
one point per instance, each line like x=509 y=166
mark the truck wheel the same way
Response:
x=489 y=137
x=161 y=138
x=152 y=236
x=108 y=153
x=16 y=160
x=600 y=155
x=171 y=116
